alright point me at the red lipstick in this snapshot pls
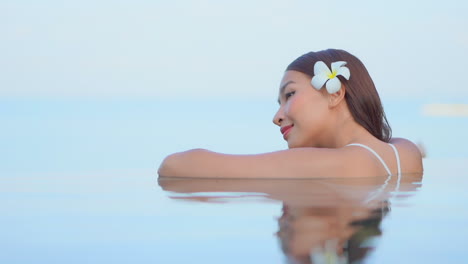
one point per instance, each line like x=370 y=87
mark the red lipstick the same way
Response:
x=285 y=130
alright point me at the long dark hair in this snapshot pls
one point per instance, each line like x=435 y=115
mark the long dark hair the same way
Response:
x=361 y=96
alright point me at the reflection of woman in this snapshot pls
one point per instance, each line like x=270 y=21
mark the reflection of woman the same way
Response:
x=331 y=116
x=322 y=219
x=313 y=235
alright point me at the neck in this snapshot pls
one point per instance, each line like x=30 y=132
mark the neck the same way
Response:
x=346 y=131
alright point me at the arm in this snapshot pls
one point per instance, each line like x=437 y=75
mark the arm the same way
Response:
x=411 y=153
x=414 y=148
x=291 y=163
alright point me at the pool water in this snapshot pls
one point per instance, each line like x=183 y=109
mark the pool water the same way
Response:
x=79 y=185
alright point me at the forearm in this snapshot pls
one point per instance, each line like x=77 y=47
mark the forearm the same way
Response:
x=172 y=164
x=294 y=163
x=195 y=163
x=200 y=163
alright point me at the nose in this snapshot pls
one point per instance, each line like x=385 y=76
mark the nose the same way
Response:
x=279 y=117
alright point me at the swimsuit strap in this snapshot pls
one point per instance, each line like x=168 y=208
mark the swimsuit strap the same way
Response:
x=376 y=193
x=375 y=154
x=397 y=155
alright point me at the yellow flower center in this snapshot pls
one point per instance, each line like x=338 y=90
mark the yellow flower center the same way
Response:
x=332 y=75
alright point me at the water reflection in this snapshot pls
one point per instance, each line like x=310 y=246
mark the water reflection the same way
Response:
x=322 y=220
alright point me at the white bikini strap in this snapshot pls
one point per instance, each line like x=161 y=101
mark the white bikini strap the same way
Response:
x=375 y=154
x=397 y=157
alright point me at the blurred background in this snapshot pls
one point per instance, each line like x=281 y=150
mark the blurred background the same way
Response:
x=117 y=85
x=94 y=94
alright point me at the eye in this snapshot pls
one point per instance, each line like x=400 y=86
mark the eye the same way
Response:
x=287 y=95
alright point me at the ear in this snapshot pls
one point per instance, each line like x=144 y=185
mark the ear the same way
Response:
x=335 y=99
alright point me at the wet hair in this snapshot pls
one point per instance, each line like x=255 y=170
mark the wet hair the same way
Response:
x=361 y=96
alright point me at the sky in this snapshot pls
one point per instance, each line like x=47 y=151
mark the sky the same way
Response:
x=225 y=49
x=213 y=52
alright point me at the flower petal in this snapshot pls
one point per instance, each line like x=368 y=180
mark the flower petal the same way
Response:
x=333 y=85
x=337 y=64
x=321 y=68
x=319 y=80
x=344 y=71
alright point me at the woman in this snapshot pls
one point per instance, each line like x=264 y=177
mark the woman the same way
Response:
x=331 y=116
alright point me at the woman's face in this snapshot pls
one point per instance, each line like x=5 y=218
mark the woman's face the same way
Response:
x=303 y=111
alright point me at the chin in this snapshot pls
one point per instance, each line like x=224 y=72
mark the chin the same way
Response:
x=293 y=145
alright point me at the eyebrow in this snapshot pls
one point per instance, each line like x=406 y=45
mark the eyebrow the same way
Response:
x=283 y=87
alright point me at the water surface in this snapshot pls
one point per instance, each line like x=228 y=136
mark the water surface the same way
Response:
x=79 y=185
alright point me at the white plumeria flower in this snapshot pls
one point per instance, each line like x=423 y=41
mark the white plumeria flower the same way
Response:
x=322 y=75
x=328 y=254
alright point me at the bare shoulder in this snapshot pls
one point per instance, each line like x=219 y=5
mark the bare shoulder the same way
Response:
x=406 y=145
x=410 y=154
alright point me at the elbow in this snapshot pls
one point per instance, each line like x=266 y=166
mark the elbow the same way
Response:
x=181 y=164
x=167 y=167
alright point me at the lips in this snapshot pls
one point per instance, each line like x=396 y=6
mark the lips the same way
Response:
x=285 y=130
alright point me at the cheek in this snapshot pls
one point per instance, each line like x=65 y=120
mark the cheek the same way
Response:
x=295 y=108
x=307 y=114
